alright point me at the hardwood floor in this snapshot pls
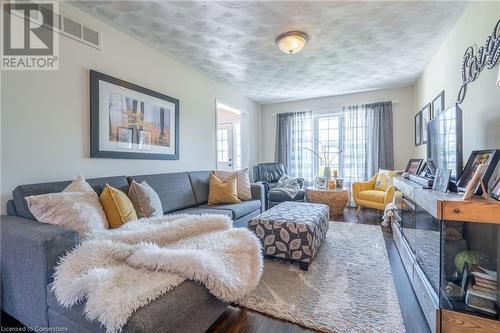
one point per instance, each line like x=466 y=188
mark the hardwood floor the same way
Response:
x=241 y=320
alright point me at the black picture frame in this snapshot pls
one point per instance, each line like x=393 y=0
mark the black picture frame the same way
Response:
x=426 y=117
x=414 y=164
x=95 y=149
x=438 y=104
x=474 y=160
x=495 y=190
x=418 y=129
x=441 y=180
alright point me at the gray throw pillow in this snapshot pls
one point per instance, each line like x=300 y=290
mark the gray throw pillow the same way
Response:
x=146 y=201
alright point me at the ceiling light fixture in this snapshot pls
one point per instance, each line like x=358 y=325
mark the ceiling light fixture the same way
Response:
x=292 y=41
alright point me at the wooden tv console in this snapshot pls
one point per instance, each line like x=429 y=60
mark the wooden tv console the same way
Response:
x=445 y=207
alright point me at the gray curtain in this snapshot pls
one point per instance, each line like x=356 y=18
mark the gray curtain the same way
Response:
x=380 y=137
x=294 y=143
x=283 y=134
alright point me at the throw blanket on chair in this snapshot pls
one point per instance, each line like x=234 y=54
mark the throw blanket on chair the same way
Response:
x=288 y=185
x=118 y=271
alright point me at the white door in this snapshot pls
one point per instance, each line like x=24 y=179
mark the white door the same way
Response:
x=225 y=151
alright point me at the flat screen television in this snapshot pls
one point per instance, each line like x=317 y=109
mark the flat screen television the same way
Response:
x=444 y=140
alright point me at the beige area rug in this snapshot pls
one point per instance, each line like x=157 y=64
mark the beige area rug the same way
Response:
x=348 y=288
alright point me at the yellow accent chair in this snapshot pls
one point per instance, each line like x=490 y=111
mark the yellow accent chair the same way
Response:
x=365 y=194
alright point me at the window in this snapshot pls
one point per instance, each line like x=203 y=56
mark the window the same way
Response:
x=346 y=132
x=223 y=144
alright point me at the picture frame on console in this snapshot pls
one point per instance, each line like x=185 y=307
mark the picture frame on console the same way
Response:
x=490 y=157
x=413 y=166
x=131 y=122
x=495 y=190
x=441 y=180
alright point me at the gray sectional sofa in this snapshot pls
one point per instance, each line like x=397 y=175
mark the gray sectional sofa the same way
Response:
x=30 y=251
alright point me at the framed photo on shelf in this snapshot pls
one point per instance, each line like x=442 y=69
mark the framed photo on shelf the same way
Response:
x=418 y=129
x=426 y=117
x=477 y=158
x=130 y=121
x=475 y=181
x=495 y=190
x=441 y=180
x=438 y=104
x=413 y=166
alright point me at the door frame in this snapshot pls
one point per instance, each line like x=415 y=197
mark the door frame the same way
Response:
x=216 y=124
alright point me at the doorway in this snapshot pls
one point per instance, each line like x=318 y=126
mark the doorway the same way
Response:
x=230 y=150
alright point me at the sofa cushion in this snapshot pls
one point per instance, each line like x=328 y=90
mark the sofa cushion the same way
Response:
x=223 y=192
x=23 y=191
x=171 y=312
x=174 y=189
x=146 y=201
x=200 y=182
x=203 y=210
x=239 y=209
x=372 y=195
x=117 y=206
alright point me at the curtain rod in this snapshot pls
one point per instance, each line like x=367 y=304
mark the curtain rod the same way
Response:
x=336 y=109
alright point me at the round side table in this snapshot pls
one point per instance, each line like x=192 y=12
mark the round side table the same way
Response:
x=335 y=199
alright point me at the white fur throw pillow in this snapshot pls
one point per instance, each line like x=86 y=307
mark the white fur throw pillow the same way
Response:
x=77 y=208
x=244 y=190
x=145 y=199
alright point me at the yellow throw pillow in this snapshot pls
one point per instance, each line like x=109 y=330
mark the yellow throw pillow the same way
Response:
x=223 y=192
x=117 y=206
x=384 y=179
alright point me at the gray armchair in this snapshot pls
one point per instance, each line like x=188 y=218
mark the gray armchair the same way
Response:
x=268 y=174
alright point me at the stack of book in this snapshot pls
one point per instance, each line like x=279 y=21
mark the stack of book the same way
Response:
x=482 y=291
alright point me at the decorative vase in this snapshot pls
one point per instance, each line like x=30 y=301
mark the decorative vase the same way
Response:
x=327 y=173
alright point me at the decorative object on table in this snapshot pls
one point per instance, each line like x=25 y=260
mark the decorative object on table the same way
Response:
x=130 y=121
x=474 y=62
x=454 y=292
x=489 y=158
x=426 y=117
x=495 y=190
x=438 y=104
x=332 y=184
x=391 y=215
x=321 y=182
x=482 y=291
x=466 y=276
x=335 y=199
x=339 y=182
x=468 y=256
x=413 y=166
x=325 y=159
x=441 y=180
x=474 y=181
x=418 y=129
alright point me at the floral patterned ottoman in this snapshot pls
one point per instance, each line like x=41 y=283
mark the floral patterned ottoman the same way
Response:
x=292 y=230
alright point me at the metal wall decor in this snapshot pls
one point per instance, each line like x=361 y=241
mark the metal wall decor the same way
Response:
x=474 y=62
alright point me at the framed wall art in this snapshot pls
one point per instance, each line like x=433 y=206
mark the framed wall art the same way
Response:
x=426 y=117
x=438 y=104
x=418 y=129
x=130 y=121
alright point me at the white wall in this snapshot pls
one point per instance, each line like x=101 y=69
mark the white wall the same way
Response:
x=481 y=107
x=45 y=115
x=403 y=112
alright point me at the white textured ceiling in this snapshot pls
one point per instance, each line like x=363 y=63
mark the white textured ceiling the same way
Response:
x=353 y=46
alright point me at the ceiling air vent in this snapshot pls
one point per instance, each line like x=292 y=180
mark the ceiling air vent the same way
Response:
x=77 y=31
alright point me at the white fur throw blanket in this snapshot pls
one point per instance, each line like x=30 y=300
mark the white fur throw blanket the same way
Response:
x=118 y=271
